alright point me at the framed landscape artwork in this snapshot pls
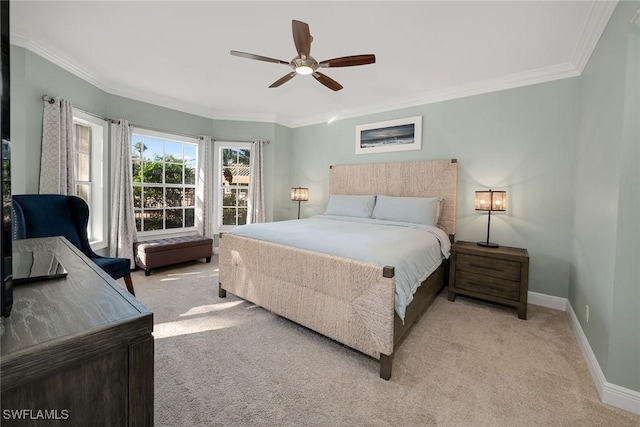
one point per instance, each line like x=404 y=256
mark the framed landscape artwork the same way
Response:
x=392 y=135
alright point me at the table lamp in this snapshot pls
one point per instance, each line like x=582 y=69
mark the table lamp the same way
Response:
x=490 y=201
x=299 y=194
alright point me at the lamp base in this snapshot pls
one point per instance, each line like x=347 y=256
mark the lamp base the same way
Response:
x=488 y=244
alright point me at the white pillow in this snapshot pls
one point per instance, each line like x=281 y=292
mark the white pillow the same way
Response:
x=350 y=205
x=418 y=210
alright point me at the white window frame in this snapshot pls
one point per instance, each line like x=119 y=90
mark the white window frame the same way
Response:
x=98 y=212
x=172 y=138
x=217 y=174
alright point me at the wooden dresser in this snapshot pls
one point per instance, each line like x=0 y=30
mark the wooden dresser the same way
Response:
x=76 y=350
x=494 y=274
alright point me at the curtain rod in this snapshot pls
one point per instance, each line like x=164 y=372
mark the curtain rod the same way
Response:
x=266 y=141
x=166 y=131
x=51 y=100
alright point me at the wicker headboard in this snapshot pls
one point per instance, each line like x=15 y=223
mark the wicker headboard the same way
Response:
x=424 y=178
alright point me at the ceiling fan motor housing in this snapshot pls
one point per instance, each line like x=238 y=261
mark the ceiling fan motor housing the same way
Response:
x=304 y=66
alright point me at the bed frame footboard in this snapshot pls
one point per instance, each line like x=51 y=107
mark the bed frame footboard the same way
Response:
x=386 y=362
x=349 y=301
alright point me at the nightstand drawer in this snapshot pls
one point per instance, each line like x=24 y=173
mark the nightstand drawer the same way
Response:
x=498 y=268
x=488 y=285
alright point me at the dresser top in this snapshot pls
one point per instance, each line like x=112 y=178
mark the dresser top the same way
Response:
x=46 y=313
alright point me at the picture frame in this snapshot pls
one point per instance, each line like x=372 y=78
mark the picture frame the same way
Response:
x=392 y=135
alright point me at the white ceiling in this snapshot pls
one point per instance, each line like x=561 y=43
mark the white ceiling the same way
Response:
x=176 y=53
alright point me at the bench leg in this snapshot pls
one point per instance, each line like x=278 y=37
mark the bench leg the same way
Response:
x=127 y=281
x=147 y=272
x=208 y=259
x=222 y=293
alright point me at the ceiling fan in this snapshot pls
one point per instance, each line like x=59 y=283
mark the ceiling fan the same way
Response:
x=306 y=64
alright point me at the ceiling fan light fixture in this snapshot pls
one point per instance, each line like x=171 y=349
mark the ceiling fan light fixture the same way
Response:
x=305 y=70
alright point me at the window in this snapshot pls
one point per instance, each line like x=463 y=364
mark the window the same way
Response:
x=232 y=182
x=164 y=182
x=82 y=160
x=89 y=136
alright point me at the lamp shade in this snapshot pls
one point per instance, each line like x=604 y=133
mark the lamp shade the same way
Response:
x=491 y=200
x=300 y=194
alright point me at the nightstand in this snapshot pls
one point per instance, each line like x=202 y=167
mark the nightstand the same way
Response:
x=498 y=275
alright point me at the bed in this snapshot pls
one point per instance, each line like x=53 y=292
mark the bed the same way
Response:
x=350 y=299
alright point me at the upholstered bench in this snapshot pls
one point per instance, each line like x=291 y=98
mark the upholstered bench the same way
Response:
x=174 y=250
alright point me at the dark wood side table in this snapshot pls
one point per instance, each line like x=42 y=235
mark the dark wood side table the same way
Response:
x=79 y=347
x=499 y=275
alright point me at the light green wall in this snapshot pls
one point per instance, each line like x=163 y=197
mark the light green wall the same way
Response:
x=605 y=238
x=282 y=174
x=144 y=114
x=18 y=122
x=624 y=344
x=519 y=140
x=31 y=77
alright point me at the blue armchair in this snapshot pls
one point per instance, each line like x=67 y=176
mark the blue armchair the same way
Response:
x=47 y=215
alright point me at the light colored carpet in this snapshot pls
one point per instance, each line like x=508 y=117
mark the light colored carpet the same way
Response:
x=226 y=362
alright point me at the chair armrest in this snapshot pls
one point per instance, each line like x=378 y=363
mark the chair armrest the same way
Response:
x=18 y=227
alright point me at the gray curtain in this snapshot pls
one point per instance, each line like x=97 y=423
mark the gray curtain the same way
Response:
x=204 y=197
x=256 y=197
x=123 y=225
x=56 y=160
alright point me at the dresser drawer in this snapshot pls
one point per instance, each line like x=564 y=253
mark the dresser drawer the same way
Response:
x=497 y=268
x=487 y=285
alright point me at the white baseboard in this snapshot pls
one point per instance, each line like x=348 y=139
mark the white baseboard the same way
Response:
x=612 y=394
x=549 y=301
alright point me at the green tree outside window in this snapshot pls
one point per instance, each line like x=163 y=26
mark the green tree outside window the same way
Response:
x=164 y=177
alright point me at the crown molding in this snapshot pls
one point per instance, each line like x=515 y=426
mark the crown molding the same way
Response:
x=44 y=51
x=599 y=16
x=186 y=107
x=18 y=39
x=556 y=72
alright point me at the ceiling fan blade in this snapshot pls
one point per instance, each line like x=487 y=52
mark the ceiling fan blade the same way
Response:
x=348 y=61
x=327 y=81
x=283 y=79
x=302 y=38
x=257 y=57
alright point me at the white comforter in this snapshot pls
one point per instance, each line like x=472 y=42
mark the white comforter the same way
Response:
x=414 y=250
